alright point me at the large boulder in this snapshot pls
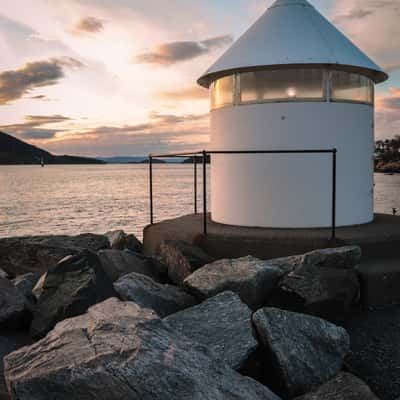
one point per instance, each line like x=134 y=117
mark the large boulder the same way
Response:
x=304 y=351
x=12 y=305
x=9 y=342
x=252 y=279
x=222 y=324
x=39 y=253
x=118 y=263
x=344 y=387
x=119 y=240
x=69 y=288
x=142 y=290
x=182 y=259
x=325 y=292
x=120 y=351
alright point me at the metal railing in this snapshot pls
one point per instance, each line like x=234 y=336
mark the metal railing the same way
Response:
x=204 y=155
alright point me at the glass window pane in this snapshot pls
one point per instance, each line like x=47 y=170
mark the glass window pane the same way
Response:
x=289 y=85
x=351 y=87
x=222 y=92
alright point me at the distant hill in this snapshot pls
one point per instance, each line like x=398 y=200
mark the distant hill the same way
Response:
x=15 y=151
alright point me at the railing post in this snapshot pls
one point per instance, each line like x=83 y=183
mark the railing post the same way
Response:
x=205 y=193
x=334 y=161
x=151 y=188
x=195 y=182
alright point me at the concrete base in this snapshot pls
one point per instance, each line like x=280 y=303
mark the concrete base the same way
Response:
x=380 y=242
x=380 y=238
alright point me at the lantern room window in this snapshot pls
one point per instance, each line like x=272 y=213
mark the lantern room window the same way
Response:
x=346 y=86
x=291 y=85
x=282 y=85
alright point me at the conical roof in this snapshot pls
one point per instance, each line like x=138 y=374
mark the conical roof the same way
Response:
x=292 y=32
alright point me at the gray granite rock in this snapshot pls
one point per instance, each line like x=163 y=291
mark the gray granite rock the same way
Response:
x=120 y=351
x=346 y=257
x=252 y=279
x=222 y=324
x=304 y=351
x=142 y=290
x=39 y=253
x=119 y=240
x=344 y=387
x=325 y=292
x=12 y=305
x=117 y=263
x=69 y=288
x=182 y=259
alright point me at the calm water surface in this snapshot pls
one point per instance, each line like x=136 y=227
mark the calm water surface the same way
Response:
x=76 y=199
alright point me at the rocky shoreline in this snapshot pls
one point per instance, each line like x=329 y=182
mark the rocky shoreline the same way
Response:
x=100 y=320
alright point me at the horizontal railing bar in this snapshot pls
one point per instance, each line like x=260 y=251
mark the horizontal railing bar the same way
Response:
x=175 y=155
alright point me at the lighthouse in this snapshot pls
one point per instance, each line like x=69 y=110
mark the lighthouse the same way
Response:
x=292 y=81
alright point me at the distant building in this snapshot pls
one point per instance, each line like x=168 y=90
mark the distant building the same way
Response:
x=292 y=81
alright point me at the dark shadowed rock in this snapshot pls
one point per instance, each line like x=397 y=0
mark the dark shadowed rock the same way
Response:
x=119 y=240
x=69 y=288
x=9 y=342
x=3 y=274
x=120 y=351
x=325 y=292
x=118 y=263
x=252 y=279
x=344 y=387
x=222 y=324
x=304 y=351
x=346 y=257
x=39 y=253
x=25 y=284
x=12 y=305
x=182 y=259
x=142 y=290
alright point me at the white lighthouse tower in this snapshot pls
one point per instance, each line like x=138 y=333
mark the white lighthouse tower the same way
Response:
x=292 y=81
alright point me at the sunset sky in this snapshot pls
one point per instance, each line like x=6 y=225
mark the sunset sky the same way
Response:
x=113 y=78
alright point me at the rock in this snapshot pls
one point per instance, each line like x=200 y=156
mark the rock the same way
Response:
x=9 y=342
x=26 y=283
x=120 y=351
x=346 y=257
x=304 y=351
x=119 y=240
x=118 y=263
x=3 y=274
x=182 y=259
x=12 y=305
x=38 y=289
x=325 y=292
x=252 y=279
x=142 y=290
x=222 y=324
x=344 y=387
x=39 y=253
x=69 y=288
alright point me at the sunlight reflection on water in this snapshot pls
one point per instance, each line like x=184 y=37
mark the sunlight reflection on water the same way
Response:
x=77 y=199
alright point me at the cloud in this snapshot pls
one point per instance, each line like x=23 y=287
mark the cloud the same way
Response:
x=31 y=128
x=175 y=52
x=39 y=97
x=14 y=84
x=194 y=92
x=89 y=25
x=393 y=66
x=388 y=113
x=356 y=13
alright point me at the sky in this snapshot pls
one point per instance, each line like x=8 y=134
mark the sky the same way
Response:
x=118 y=77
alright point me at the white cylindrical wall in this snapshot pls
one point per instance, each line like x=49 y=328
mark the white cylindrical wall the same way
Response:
x=292 y=191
